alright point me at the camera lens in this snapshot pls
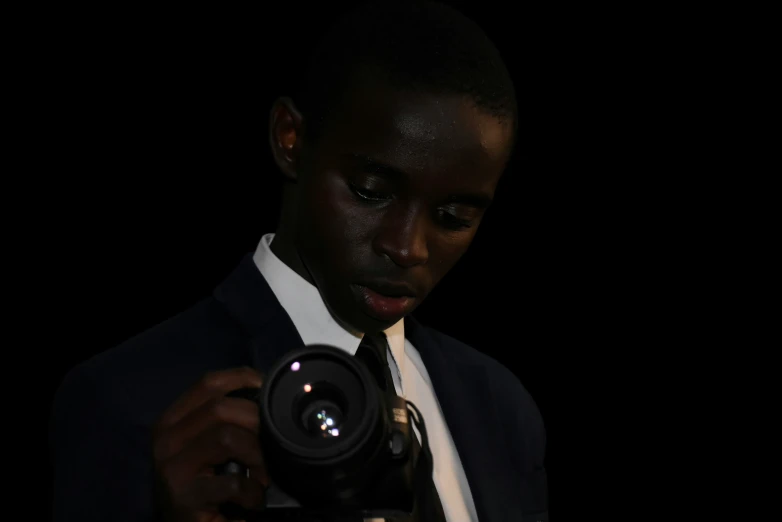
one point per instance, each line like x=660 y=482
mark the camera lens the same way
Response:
x=322 y=419
x=321 y=409
x=322 y=424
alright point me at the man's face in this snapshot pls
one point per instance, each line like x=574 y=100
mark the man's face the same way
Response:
x=391 y=196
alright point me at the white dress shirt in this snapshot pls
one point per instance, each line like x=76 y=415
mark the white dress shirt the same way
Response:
x=303 y=303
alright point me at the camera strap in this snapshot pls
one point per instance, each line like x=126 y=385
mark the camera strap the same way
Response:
x=427 y=502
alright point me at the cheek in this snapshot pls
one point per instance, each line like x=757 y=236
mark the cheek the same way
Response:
x=445 y=249
x=444 y=253
x=333 y=222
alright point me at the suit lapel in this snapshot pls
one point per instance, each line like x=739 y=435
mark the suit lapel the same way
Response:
x=247 y=297
x=462 y=392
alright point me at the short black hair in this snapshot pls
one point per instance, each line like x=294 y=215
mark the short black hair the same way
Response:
x=411 y=45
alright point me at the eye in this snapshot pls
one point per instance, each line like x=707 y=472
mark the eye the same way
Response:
x=453 y=222
x=368 y=195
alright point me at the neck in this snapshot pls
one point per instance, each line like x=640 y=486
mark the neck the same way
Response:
x=284 y=243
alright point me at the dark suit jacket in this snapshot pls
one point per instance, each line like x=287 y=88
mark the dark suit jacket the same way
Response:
x=103 y=411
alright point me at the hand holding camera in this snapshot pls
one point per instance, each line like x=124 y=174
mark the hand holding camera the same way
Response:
x=201 y=430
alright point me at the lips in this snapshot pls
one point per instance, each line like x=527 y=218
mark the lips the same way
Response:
x=385 y=302
x=390 y=289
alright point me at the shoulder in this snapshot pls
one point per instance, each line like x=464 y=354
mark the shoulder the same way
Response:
x=103 y=412
x=133 y=381
x=464 y=355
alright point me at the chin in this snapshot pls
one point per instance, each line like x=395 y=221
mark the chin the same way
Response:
x=362 y=323
x=378 y=325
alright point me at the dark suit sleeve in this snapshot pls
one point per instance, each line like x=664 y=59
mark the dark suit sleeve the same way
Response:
x=528 y=436
x=102 y=465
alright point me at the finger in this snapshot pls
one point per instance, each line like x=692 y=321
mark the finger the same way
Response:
x=220 y=410
x=215 y=446
x=211 y=385
x=210 y=492
x=259 y=474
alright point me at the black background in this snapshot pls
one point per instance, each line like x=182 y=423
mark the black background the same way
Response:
x=157 y=161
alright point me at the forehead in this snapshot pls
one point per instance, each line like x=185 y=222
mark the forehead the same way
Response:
x=419 y=132
x=449 y=123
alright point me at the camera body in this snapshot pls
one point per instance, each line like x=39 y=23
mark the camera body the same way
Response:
x=335 y=445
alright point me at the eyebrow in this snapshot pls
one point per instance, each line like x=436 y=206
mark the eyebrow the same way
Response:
x=376 y=166
x=477 y=200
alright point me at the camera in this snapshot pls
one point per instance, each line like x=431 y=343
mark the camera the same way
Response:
x=336 y=446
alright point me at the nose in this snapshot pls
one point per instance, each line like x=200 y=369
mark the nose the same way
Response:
x=402 y=237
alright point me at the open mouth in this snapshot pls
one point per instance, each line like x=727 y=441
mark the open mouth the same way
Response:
x=384 y=307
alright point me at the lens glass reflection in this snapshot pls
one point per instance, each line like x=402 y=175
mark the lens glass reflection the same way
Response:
x=322 y=418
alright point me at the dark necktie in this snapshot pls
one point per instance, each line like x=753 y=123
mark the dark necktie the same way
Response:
x=372 y=351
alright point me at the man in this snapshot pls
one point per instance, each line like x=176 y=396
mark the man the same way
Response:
x=391 y=151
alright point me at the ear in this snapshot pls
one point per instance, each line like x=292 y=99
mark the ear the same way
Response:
x=285 y=128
